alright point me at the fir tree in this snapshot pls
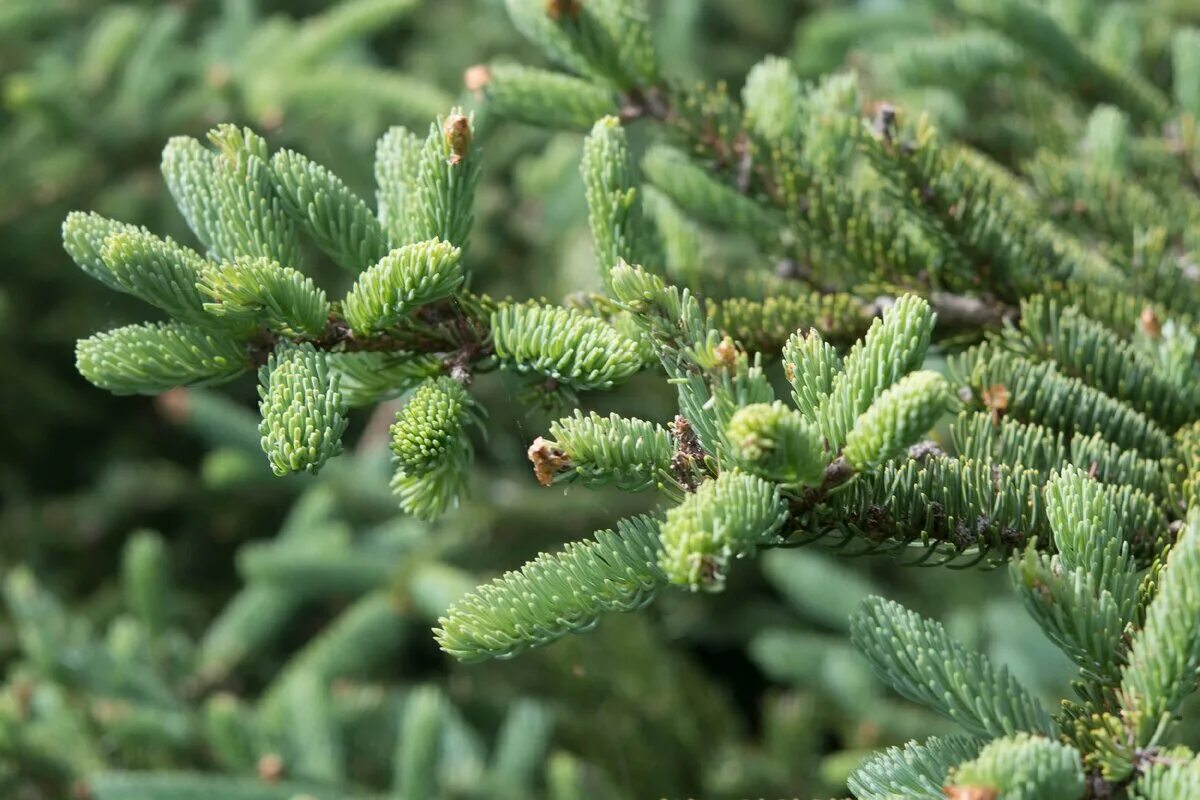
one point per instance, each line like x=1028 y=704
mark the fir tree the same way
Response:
x=1069 y=342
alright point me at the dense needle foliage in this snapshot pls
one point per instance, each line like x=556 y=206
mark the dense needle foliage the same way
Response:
x=922 y=290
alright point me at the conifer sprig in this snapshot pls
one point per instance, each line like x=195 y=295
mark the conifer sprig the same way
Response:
x=728 y=517
x=430 y=448
x=338 y=220
x=1048 y=261
x=919 y=659
x=151 y=358
x=564 y=345
x=403 y=280
x=304 y=415
x=557 y=593
x=631 y=454
x=259 y=290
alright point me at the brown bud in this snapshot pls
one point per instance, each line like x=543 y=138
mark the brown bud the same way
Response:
x=270 y=767
x=548 y=460
x=558 y=10
x=458 y=135
x=271 y=118
x=174 y=405
x=726 y=353
x=995 y=398
x=476 y=78
x=1151 y=324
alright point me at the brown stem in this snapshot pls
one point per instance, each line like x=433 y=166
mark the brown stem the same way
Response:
x=440 y=329
x=836 y=473
x=959 y=312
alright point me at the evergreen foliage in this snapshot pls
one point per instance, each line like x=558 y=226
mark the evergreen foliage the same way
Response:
x=403 y=280
x=618 y=571
x=777 y=443
x=151 y=358
x=981 y=295
x=303 y=413
x=729 y=516
x=429 y=447
x=260 y=289
x=564 y=345
x=631 y=454
x=923 y=663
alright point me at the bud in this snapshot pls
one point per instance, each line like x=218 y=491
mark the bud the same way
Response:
x=476 y=79
x=726 y=353
x=548 y=460
x=777 y=443
x=558 y=10
x=995 y=398
x=270 y=767
x=1151 y=324
x=457 y=129
x=897 y=419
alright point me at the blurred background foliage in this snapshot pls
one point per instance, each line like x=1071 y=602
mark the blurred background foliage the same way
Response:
x=277 y=629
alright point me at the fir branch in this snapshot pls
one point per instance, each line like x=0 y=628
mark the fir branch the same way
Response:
x=776 y=443
x=338 y=220
x=1038 y=393
x=1166 y=653
x=631 y=454
x=899 y=416
x=261 y=291
x=898 y=342
x=918 y=769
x=1022 y=766
x=580 y=351
x=1170 y=776
x=764 y=326
x=920 y=661
x=700 y=194
x=728 y=517
x=614 y=207
x=556 y=594
x=810 y=365
x=543 y=98
x=304 y=415
x=84 y=235
x=1084 y=349
x=397 y=163
x=443 y=189
x=942 y=507
x=430 y=449
x=1086 y=71
x=158 y=271
x=403 y=280
x=154 y=357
